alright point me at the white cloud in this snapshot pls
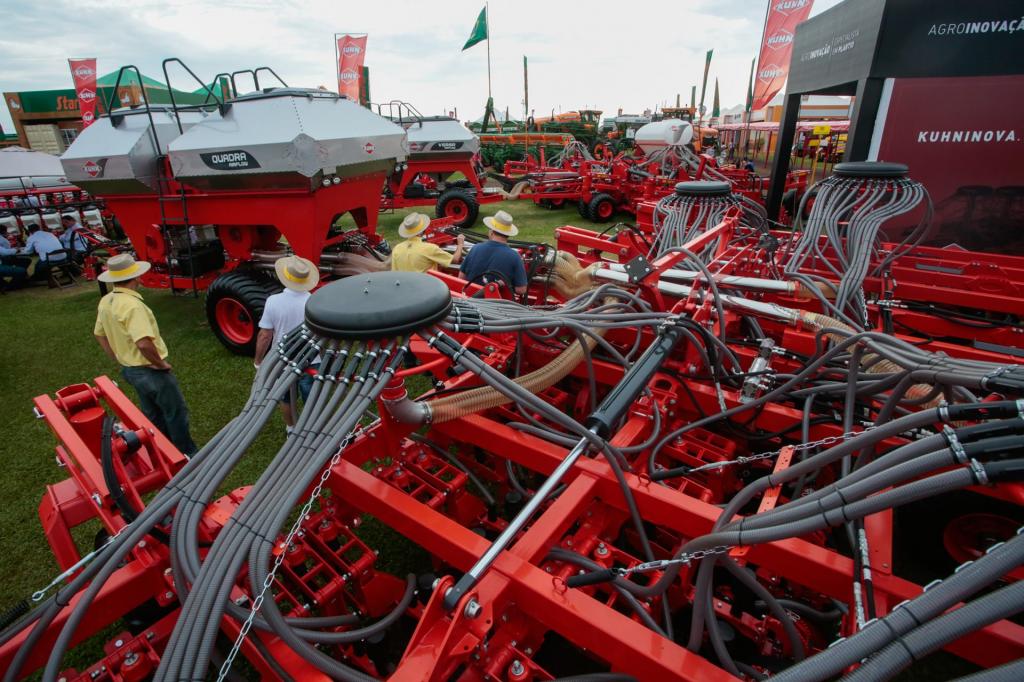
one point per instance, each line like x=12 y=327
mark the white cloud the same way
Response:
x=598 y=54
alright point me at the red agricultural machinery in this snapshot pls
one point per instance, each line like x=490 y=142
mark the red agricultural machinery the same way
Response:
x=602 y=187
x=703 y=450
x=439 y=148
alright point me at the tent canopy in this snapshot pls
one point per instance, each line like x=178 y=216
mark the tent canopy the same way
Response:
x=18 y=162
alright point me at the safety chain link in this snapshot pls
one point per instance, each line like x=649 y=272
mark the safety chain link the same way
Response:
x=746 y=459
x=661 y=564
x=269 y=581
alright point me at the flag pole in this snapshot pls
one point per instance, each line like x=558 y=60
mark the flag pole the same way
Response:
x=487 y=23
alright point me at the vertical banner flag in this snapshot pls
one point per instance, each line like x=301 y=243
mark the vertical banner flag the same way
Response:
x=693 y=96
x=715 y=107
x=704 y=84
x=777 y=47
x=83 y=73
x=351 y=52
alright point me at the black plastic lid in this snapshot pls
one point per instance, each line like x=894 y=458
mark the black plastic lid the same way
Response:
x=870 y=169
x=378 y=305
x=703 y=188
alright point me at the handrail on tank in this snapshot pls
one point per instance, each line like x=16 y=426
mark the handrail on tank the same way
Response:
x=272 y=72
x=114 y=120
x=170 y=91
x=251 y=72
x=413 y=113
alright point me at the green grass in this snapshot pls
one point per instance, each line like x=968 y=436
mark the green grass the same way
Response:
x=46 y=337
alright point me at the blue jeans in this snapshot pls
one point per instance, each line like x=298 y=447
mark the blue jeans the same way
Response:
x=305 y=386
x=161 y=401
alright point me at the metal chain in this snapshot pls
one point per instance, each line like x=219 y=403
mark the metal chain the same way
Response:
x=269 y=581
x=746 y=459
x=661 y=564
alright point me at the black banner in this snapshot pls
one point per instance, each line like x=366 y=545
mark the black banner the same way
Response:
x=232 y=160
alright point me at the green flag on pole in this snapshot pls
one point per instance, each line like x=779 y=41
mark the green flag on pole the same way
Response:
x=693 y=96
x=714 y=103
x=750 y=87
x=704 y=84
x=479 y=33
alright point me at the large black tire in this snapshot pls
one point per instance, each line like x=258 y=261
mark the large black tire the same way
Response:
x=601 y=208
x=584 y=210
x=459 y=204
x=234 y=306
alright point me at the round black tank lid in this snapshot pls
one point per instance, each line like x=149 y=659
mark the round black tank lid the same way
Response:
x=870 y=169
x=703 y=188
x=378 y=305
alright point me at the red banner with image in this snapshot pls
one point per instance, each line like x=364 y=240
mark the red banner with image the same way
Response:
x=777 y=47
x=83 y=73
x=351 y=52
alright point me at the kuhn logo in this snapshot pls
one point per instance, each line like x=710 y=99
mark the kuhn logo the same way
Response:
x=91 y=168
x=940 y=136
x=780 y=39
x=83 y=72
x=87 y=95
x=770 y=73
x=787 y=7
x=368 y=147
x=235 y=159
x=88 y=117
x=415 y=146
x=351 y=49
x=348 y=76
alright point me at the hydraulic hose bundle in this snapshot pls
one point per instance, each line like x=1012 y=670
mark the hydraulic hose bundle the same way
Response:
x=840 y=236
x=696 y=206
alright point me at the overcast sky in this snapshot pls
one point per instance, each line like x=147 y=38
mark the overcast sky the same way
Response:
x=597 y=54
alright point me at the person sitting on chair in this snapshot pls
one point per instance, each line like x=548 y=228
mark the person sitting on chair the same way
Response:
x=416 y=255
x=496 y=256
x=72 y=238
x=43 y=243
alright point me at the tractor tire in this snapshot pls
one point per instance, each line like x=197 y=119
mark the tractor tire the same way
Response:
x=601 y=208
x=234 y=305
x=459 y=204
x=583 y=209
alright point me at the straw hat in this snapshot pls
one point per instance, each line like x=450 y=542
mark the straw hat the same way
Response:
x=123 y=267
x=502 y=224
x=297 y=274
x=414 y=224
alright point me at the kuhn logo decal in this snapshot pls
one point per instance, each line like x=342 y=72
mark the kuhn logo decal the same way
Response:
x=348 y=76
x=88 y=117
x=83 y=72
x=92 y=169
x=446 y=146
x=351 y=49
x=87 y=95
x=368 y=147
x=770 y=73
x=779 y=39
x=235 y=159
x=787 y=7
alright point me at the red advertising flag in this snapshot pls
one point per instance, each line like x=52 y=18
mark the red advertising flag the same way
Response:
x=351 y=52
x=777 y=47
x=83 y=73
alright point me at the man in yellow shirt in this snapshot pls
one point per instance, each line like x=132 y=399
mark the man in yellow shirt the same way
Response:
x=128 y=333
x=416 y=255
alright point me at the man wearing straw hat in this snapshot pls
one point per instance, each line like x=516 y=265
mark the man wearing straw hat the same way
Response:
x=284 y=312
x=128 y=333
x=494 y=260
x=416 y=255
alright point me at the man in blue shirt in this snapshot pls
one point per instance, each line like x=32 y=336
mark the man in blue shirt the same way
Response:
x=494 y=260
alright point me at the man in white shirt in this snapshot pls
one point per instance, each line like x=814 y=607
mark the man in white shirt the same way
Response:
x=284 y=312
x=72 y=238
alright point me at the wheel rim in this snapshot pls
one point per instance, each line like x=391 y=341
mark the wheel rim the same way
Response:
x=967 y=537
x=234 y=321
x=456 y=208
x=605 y=209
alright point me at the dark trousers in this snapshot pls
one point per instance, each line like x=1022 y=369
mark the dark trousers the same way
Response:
x=161 y=401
